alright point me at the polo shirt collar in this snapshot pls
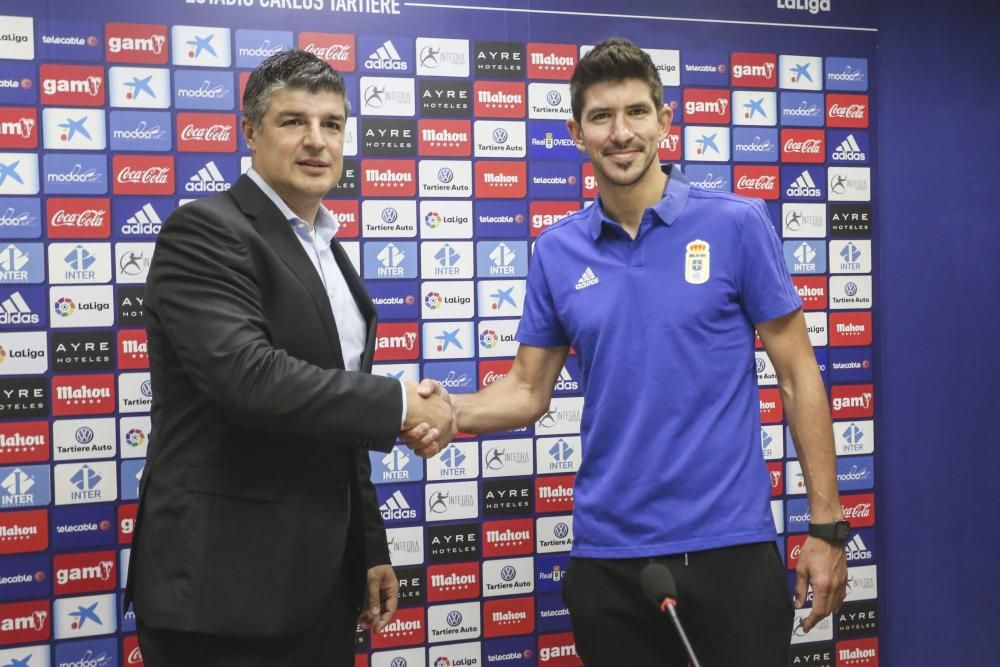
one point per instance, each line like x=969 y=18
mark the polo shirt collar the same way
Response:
x=326 y=225
x=666 y=210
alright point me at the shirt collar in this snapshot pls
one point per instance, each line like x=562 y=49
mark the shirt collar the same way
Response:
x=666 y=210
x=326 y=224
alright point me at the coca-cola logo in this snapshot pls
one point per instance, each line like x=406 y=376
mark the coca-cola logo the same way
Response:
x=212 y=133
x=91 y=217
x=134 y=657
x=156 y=175
x=858 y=511
x=333 y=52
x=765 y=183
x=806 y=146
x=849 y=111
x=490 y=377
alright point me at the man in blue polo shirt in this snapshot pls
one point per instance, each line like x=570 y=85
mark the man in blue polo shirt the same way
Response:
x=658 y=287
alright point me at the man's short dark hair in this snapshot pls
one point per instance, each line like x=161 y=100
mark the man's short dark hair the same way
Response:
x=614 y=59
x=295 y=69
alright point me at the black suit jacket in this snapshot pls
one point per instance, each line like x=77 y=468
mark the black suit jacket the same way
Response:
x=256 y=488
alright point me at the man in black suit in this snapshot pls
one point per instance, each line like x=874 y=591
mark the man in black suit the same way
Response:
x=257 y=518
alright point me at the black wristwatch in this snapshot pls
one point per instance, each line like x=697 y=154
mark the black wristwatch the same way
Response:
x=835 y=531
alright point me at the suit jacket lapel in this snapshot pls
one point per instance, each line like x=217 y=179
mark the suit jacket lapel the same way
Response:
x=362 y=298
x=277 y=231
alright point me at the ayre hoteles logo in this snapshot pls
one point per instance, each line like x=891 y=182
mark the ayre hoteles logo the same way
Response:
x=444 y=98
x=499 y=60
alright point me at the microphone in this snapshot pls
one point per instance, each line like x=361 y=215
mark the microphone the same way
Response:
x=658 y=585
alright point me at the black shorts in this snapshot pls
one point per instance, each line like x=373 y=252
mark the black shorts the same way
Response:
x=734 y=603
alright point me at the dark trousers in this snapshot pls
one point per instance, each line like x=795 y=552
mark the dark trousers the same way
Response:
x=734 y=603
x=329 y=642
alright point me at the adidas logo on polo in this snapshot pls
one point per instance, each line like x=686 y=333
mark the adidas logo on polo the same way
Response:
x=386 y=57
x=207 y=179
x=587 y=279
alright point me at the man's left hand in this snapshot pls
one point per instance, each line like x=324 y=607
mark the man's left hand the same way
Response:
x=383 y=597
x=822 y=564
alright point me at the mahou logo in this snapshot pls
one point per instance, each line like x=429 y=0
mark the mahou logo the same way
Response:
x=759 y=182
x=444 y=138
x=754 y=70
x=84 y=572
x=512 y=537
x=206 y=132
x=803 y=146
x=812 y=291
x=859 y=509
x=501 y=180
x=852 y=401
x=133 y=353
x=388 y=178
x=847 y=329
x=79 y=218
x=502 y=618
x=136 y=43
x=544 y=214
x=858 y=653
x=143 y=174
x=336 y=49
x=554 y=493
x=846 y=110
x=671 y=147
x=345 y=213
x=18 y=127
x=558 y=650
x=397 y=340
x=707 y=106
x=551 y=61
x=23 y=622
x=72 y=85
x=83 y=395
x=24 y=442
x=23 y=532
x=771 y=409
x=406 y=629
x=455 y=581
x=498 y=99
x=491 y=371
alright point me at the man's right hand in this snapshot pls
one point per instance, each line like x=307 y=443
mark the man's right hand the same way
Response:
x=430 y=422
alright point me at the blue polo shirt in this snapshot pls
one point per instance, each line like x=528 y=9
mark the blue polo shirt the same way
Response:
x=663 y=327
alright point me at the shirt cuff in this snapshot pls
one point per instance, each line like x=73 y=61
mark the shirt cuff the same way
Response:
x=402 y=418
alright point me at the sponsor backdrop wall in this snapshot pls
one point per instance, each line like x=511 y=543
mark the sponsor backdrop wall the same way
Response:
x=112 y=115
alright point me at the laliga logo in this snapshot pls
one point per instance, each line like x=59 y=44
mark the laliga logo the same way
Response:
x=149 y=175
x=334 y=52
x=65 y=307
x=217 y=132
x=433 y=300
x=135 y=438
x=489 y=339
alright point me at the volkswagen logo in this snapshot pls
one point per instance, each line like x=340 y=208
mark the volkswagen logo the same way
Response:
x=561 y=530
x=445 y=175
x=500 y=135
x=454 y=618
x=554 y=98
x=84 y=435
x=389 y=215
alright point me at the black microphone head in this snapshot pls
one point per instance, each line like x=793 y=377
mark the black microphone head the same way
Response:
x=657 y=583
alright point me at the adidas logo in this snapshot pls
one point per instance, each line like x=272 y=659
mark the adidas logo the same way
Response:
x=208 y=179
x=587 y=279
x=857 y=549
x=849 y=150
x=396 y=508
x=386 y=57
x=145 y=221
x=803 y=186
x=566 y=381
x=15 y=310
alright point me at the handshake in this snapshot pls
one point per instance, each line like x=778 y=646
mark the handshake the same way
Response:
x=430 y=420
